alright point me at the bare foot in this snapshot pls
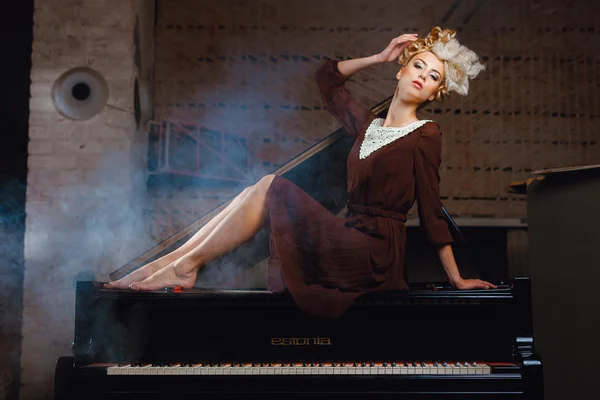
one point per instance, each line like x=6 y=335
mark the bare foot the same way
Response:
x=138 y=275
x=179 y=273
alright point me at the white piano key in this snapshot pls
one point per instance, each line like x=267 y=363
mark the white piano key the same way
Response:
x=451 y=368
x=113 y=370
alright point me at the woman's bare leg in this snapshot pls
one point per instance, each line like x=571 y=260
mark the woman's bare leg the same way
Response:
x=240 y=225
x=156 y=265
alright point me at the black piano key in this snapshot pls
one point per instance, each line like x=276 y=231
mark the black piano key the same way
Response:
x=393 y=363
x=385 y=364
x=422 y=363
x=405 y=363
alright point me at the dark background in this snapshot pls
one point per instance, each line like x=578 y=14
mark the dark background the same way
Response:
x=16 y=43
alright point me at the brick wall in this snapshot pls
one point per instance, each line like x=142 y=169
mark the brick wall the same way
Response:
x=247 y=67
x=85 y=192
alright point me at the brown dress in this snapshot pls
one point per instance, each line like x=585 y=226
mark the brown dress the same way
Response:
x=326 y=262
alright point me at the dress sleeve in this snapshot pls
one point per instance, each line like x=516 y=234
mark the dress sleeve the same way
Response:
x=338 y=100
x=427 y=163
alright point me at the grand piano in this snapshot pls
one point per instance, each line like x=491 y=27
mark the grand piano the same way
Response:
x=431 y=342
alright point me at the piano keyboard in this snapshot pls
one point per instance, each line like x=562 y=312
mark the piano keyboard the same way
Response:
x=393 y=368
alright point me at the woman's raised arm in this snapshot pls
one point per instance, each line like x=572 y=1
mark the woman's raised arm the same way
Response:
x=390 y=53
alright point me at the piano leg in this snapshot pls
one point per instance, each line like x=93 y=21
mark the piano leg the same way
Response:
x=63 y=379
x=533 y=376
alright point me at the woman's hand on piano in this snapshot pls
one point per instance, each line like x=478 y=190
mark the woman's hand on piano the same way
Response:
x=473 y=284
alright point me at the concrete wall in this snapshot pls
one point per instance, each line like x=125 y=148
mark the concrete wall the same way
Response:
x=85 y=182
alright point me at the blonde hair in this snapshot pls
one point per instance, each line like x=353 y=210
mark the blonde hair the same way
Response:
x=460 y=63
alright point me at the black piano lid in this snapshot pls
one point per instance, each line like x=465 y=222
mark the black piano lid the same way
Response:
x=432 y=292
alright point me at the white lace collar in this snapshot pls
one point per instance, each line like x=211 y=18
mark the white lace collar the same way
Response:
x=378 y=136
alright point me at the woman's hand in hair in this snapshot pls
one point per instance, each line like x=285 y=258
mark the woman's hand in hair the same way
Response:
x=396 y=46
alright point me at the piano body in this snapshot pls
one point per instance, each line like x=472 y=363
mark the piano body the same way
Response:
x=425 y=343
x=431 y=342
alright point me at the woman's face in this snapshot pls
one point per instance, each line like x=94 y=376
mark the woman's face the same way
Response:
x=421 y=78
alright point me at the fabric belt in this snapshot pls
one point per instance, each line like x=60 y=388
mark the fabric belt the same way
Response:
x=376 y=212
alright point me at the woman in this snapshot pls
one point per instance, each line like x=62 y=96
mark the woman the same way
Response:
x=326 y=262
